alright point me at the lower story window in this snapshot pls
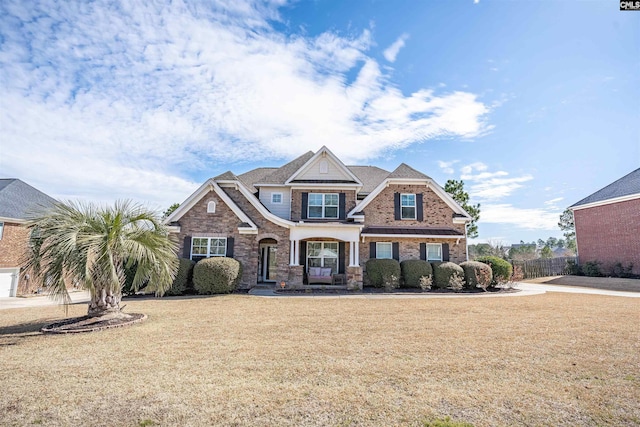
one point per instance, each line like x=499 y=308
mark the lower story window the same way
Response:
x=384 y=250
x=323 y=254
x=434 y=251
x=205 y=247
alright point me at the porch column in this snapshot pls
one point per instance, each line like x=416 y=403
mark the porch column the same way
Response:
x=293 y=255
x=353 y=254
x=356 y=256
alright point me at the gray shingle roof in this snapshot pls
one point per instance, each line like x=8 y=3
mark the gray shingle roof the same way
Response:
x=422 y=231
x=625 y=186
x=19 y=200
x=228 y=175
x=370 y=176
x=406 y=171
x=280 y=175
x=255 y=175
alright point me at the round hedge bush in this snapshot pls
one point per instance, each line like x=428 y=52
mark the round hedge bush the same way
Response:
x=216 y=275
x=444 y=272
x=502 y=270
x=476 y=274
x=412 y=270
x=184 y=276
x=383 y=273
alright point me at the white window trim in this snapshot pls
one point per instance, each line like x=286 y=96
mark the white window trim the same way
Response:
x=324 y=206
x=208 y=254
x=337 y=257
x=439 y=245
x=389 y=244
x=1 y=229
x=277 y=194
x=211 y=207
x=415 y=207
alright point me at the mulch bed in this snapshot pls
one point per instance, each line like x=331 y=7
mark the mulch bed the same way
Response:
x=369 y=290
x=91 y=324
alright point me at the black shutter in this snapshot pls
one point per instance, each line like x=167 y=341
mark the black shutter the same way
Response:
x=341 y=257
x=341 y=209
x=186 y=249
x=423 y=251
x=305 y=203
x=445 y=252
x=372 y=250
x=229 y=253
x=303 y=253
x=396 y=206
x=419 y=212
x=395 y=248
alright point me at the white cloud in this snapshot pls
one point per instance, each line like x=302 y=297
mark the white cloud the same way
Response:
x=553 y=202
x=392 y=51
x=146 y=99
x=447 y=167
x=525 y=218
x=490 y=186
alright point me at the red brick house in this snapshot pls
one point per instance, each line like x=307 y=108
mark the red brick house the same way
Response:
x=18 y=200
x=608 y=224
x=317 y=221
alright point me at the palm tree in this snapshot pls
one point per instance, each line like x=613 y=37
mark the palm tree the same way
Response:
x=91 y=246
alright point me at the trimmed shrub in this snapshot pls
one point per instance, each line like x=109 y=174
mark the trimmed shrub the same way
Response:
x=477 y=274
x=592 y=269
x=184 y=276
x=574 y=268
x=383 y=273
x=412 y=270
x=447 y=274
x=502 y=270
x=216 y=275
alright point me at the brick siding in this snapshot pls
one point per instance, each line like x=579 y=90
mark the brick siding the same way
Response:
x=436 y=212
x=609 y=234
x=410 y=248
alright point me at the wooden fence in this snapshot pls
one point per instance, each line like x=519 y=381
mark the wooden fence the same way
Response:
x=543 y=267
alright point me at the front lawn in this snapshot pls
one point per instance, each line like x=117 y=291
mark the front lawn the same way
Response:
x=554 y=359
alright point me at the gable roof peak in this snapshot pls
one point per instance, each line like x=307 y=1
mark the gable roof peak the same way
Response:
x=228 y=175
x=406 y=171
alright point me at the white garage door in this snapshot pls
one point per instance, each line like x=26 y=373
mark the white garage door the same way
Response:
x=8 y=283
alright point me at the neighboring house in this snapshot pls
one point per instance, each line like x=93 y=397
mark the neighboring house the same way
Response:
x=608 y=224
x=18 y=201
x=315 y=217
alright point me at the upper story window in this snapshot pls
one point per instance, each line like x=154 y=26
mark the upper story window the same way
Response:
x=322 y=205
x=276 y=198
x=211 y=207
x=1 y=229
x=408 y=206
x=384 y=250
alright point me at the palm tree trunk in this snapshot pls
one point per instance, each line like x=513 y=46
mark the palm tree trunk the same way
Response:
x=104 y=302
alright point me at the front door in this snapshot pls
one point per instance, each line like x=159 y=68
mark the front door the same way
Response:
x=268 y=263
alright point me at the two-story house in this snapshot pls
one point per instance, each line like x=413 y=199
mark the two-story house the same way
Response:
x=314 y=214
x=18 y=202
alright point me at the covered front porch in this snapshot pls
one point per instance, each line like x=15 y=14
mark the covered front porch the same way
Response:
x=325 y=256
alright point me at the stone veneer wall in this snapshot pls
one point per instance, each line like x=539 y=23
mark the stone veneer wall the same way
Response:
x=296 y=200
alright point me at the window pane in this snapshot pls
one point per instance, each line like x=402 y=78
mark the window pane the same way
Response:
x=314 y=248
x=384 y=251
x=315 y=212
x=434 y=252
x=408 y=213
x=331 y=199
x=218 y=247
x=332 y=247
x=276 y=198
x=331 y=212
x=314 y=262
x=315 y=199
x=408 y=200
x=333 y=263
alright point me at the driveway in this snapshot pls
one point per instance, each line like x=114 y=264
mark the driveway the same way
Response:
x=39 y=301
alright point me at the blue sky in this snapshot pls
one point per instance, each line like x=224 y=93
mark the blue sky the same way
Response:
x=535 y=105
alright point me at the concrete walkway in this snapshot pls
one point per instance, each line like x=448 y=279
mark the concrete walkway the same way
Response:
x=525 y=289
